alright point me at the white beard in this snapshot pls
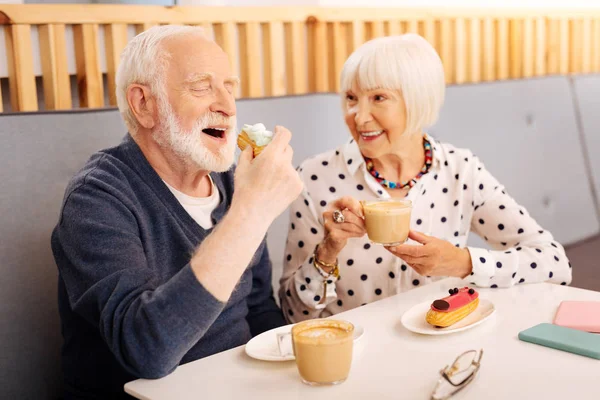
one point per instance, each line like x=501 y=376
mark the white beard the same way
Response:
x=189 y=145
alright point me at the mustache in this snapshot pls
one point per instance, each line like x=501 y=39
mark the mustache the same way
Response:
x=212 y=118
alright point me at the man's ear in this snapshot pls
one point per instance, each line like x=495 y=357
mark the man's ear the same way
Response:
x=143 y=105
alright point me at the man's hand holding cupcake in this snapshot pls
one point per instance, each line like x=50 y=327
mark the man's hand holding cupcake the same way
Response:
x=268 y=184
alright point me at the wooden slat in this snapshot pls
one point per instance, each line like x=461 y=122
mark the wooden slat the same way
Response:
x=446 y=49
x=575 y=46
x=317 y=57
x=375 y=29
x=586 y=46
x=225 y=37
x=337 y=53
x=429 y=32
x=19 y=54
x=438 y=36
x=553 y=57
x=250 y=56
x=563 y=65
x=139 y=28
x=516 y=48
x=55 y=72
x=392 y=28
x=89 y=77
x=528 y=50
x=502 y=49
x=115 y=39
x=474 y=50
x=575 y=42
x=356 y=34
x=489 y=50
x=461 y=50
x=274 y=67
x=295 y=50
x=540 y=47
x=421 y=28
x=596 y=45
x=412 y=26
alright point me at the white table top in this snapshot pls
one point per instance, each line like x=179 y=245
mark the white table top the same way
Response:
x=391 y=362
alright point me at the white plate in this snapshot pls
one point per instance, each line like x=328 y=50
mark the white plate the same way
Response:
x=264 y=346
x=414 y=319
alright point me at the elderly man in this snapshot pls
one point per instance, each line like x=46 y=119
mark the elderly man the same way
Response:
x=160 y=261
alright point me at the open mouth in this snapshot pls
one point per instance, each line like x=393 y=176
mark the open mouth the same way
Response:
x=218 y=133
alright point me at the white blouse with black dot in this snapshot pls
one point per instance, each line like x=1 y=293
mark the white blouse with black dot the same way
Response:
x=456 y=196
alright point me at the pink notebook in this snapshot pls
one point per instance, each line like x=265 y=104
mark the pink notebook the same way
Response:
x=581 y=315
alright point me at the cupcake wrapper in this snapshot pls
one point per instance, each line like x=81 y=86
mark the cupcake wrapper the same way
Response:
x=244 y=141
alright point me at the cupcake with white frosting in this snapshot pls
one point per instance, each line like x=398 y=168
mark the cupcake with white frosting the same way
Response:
x=255 y=136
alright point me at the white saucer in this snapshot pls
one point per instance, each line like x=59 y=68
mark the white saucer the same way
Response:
x=414 y=319
x=264 y=346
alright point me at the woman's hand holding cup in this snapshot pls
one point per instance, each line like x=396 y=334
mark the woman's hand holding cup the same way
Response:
x=344 y=220
x=433 y=256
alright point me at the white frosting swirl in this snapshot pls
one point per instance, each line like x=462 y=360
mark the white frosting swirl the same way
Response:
x=258 y=133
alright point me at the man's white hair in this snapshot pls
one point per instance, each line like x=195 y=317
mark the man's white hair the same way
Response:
x=407 y=63
x=144 y=62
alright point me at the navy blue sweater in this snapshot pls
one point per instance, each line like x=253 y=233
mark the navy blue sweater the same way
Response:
x=129 y=303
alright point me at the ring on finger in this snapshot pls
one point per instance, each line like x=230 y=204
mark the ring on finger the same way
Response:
x=338 y=217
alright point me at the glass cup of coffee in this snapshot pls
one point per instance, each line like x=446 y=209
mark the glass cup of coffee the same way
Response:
x=387 y=221
x=323 y=350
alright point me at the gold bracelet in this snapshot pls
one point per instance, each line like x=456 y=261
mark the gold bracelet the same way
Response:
x=319 y=265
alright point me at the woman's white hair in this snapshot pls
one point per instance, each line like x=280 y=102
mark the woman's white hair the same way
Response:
x=144 y=61
x=407 y=63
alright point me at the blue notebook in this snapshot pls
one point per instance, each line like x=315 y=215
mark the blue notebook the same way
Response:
x=565 y=339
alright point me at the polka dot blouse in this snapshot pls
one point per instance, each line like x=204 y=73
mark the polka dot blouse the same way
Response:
x=457 y=196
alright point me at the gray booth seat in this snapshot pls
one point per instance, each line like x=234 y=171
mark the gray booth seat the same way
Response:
x=587 y=96
x=40 y=153
x=524 y=131
x=527 y=136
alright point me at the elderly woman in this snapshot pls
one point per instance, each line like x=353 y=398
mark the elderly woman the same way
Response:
x=393 y=88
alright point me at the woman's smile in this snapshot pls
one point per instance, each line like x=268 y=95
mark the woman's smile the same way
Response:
x=369 y=136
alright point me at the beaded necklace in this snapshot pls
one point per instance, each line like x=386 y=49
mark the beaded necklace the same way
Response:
x=401 y=185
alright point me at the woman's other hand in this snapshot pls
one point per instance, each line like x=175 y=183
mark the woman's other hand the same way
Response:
x=434 y=257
